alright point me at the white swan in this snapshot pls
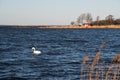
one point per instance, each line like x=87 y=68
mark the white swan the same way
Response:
x=36 y=51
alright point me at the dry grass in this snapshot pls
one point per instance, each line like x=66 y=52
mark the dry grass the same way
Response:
x=96 y=58
x=102 y=44
x=86 y=58
x=100 y=70
x=116 y=58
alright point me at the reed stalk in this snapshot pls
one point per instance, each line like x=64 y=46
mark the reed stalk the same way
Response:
x=102 y=69
x=85 y=66
x=86 y=58
x=107 y=73
x=95 y=60
x=100 y=72
x=116 y=71
x=97 y=75
x=116 y=58
x=102 y=44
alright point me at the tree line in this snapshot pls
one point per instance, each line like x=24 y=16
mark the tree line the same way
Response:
x=87 y=18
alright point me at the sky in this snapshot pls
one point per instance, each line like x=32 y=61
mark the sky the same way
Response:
x=54 y=12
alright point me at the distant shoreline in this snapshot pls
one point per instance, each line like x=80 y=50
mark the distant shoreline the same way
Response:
x=59 y=26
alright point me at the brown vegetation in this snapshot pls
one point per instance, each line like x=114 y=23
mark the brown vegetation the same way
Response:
x=99 y=70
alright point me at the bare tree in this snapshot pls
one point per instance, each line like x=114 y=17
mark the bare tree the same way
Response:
x=109 y=17
x=97 y=18
x=80 y=19
x=85 y=17
x=88 y=17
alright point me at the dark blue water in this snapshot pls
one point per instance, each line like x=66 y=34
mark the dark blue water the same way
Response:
x=62 y=51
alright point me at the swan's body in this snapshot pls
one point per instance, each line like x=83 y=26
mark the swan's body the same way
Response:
x=36 y=51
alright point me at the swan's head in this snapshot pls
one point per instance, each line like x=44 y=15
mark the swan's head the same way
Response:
x=33 y=48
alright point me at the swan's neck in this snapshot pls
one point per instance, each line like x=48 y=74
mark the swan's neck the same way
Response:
x=33 y=49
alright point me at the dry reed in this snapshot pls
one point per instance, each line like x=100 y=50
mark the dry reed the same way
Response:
x=95 y=60
x=85 y=66
x=102 y=44
x=116 y=58
x=101 y=71
x=107 y=73
x=86 y=58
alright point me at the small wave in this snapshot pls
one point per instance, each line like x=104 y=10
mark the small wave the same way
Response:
x=4 y=49
x=13 y=78
x=75 y=40
x=55 y=46
x=115 y=46
x=8 y=62
x=8 y=49
x=73 y=63
x=50 y=40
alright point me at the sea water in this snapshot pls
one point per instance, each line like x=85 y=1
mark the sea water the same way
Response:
x=62 y=51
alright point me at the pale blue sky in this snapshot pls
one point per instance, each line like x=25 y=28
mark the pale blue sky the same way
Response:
x=53 y=12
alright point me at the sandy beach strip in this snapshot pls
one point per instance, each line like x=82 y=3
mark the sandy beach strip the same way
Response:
x=61 y=26
x=76 y=26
